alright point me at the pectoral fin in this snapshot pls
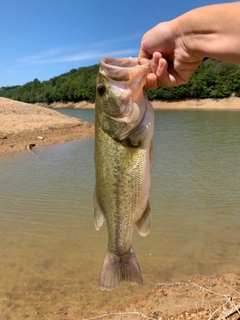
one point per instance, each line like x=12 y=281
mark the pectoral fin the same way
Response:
x=98 y=214
x=138 y=136
x=144 y=223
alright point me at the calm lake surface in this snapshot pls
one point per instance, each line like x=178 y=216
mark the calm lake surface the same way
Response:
x=50 y=253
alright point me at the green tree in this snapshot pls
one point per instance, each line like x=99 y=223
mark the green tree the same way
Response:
x=212 y=79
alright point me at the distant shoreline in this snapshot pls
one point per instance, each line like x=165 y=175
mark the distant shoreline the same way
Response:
x=232 y=103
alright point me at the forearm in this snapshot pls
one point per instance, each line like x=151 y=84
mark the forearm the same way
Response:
x=212 y=31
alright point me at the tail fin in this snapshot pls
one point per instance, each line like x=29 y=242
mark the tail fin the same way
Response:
x=119 y=268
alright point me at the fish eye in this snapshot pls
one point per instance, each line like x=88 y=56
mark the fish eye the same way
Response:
x=101 y=89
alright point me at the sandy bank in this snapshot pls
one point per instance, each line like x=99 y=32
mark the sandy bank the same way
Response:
x=68 y=105
x=232 y=103
x=24 y=124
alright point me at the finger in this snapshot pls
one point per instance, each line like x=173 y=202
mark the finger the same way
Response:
x=161 y=68
x=143 y=61
x=155 y=61
x=160 y=77
x=143 y=54
x=151 y=81
x=166 y=75
x=154 y=79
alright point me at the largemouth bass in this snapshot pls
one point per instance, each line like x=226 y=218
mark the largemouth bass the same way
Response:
x=124 y=124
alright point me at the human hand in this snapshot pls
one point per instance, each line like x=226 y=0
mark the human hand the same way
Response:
x=172 y=61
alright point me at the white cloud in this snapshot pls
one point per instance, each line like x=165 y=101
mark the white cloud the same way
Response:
x=94 y=51
x=40 y=56
x=86 y=56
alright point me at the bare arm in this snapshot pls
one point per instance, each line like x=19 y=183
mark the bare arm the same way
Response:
x=178 y=47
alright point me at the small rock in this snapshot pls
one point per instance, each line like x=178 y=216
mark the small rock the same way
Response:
x=30 y=146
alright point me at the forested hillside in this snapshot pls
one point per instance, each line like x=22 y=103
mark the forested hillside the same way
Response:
x=76 y=85
x=211 y=80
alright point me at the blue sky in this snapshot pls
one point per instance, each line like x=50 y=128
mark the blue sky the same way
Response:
x=45 y=38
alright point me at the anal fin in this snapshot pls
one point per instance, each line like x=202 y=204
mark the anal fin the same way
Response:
x=98 y=214
x=144 y=223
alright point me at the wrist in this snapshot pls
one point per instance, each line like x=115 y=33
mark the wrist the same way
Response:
x=192 y=36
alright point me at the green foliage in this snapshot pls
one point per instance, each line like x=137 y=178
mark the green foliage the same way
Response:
x=76 y=85
x=211 y=80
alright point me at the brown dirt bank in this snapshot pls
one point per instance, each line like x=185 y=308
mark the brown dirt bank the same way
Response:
x=209 y=298
x=196 y=298
x=232 y=103
x=24 y=124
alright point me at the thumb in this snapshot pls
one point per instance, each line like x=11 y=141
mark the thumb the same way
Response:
x=143 y=54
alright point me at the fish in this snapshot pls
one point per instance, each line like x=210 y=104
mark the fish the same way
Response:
x=124 y=126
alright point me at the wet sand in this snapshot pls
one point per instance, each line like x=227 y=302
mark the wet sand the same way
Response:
x=23 y=125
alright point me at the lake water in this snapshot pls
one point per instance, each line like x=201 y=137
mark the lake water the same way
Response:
x=50 y=253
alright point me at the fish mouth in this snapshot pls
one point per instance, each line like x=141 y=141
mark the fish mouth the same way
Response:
x=125 y=79
x=120 y=62
x=123 y=69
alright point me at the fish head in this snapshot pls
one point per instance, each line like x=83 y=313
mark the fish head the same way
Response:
x=119 y=94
